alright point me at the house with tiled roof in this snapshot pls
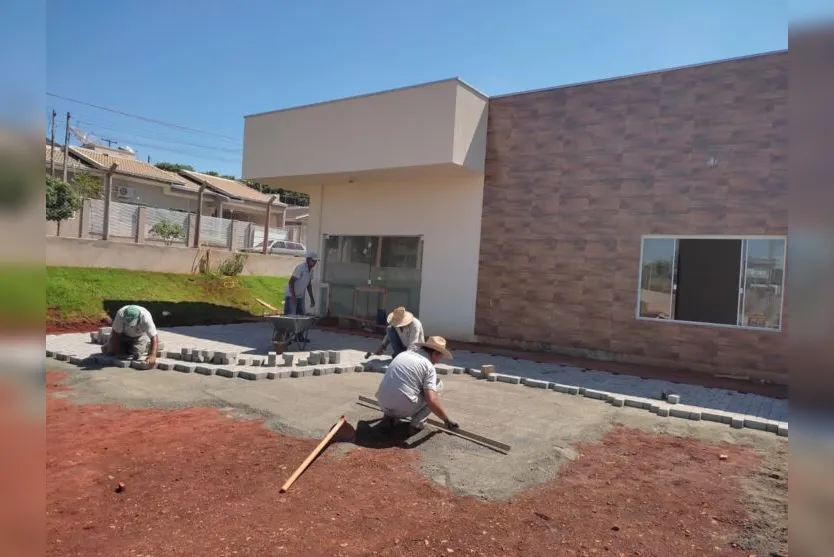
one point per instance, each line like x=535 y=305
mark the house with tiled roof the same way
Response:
x=240 y=202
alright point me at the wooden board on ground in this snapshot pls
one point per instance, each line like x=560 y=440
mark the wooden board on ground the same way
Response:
x=266 y=305
x=497 y=446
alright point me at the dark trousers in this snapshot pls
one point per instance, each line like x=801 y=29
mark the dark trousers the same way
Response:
x=394 y=341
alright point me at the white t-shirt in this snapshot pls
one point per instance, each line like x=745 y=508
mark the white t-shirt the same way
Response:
x=145 y=325
x=303 y=275
x=408 y=374
x=411 y=336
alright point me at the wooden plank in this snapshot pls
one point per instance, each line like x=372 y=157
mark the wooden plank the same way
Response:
x=319 y=448
x=497 y=446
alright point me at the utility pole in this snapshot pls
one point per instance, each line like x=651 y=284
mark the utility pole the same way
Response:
x=66 y=146
x=52 y=147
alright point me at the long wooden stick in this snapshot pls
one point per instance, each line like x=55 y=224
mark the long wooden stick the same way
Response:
x=313 y=455
x=496 y=446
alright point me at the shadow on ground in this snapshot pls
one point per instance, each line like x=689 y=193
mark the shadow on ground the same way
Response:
x=371 y=435
x=179 y=314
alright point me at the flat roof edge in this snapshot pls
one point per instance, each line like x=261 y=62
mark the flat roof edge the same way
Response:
x=375 y=93
x=642 y=74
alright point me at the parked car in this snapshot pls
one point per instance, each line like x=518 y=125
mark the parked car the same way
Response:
x=279 y=247
x=286 y=247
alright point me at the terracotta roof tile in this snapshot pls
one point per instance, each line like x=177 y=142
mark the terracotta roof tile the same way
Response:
x=231 y=188
x=59 y=159
x=130 y=166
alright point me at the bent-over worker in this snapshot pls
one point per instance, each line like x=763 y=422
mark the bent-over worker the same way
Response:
x=134 y=335
x=300 y=281
x=410 y=389
x=404 y=332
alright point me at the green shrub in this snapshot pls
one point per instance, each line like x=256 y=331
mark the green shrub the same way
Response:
x=233 y=266
x=168 y=231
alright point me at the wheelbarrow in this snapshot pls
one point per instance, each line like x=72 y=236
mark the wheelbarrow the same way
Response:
x=290 y=330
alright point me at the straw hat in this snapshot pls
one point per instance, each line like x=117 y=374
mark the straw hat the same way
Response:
x=438 y=344
x=400 y=317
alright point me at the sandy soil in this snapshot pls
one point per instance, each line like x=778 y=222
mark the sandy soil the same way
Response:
x=200 y=481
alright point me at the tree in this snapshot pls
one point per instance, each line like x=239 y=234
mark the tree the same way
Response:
x=168 y=231
x=87 y=186
x=211 y=173
x=61 y=200
x=174 y=166
x=287 y=196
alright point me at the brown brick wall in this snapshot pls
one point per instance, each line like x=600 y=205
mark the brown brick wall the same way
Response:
x=576 y=175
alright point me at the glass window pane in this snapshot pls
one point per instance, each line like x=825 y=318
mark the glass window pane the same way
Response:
x=764 y=271
x=656 y=277
x=359 y=249
x=400 y=252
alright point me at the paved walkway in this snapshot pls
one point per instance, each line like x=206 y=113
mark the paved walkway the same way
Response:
x=254 y=339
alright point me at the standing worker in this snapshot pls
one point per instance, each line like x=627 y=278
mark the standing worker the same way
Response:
x=410 y=389
x=300 y=281
x=404 y=332
x=134 y=334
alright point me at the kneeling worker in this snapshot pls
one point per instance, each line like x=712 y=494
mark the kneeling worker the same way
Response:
x=404 y=332
x=410 y=387
x=134 y=335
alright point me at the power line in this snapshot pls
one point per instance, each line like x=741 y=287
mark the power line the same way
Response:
x=92 y=126
x=143 y=118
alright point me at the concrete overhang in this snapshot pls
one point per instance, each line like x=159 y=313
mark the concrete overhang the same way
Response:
x=435 y=129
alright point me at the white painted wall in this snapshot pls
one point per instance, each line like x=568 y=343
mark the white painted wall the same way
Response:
x=424 y=125
x=448 y=216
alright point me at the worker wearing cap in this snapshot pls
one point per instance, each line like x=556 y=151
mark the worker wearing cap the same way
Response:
x=410 y=389
x=300 y=281
x=404 y=332
x=134 y=335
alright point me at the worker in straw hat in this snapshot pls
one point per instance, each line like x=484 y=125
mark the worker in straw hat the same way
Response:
x=410 y=389
x=404 y=332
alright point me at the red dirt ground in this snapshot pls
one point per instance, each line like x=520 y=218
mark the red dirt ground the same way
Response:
x=200 y=483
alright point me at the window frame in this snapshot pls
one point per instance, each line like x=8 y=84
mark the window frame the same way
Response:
x=742 y=279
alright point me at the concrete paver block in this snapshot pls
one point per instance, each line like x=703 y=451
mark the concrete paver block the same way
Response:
x=185 y=351
x=204 y=370
x=493 y=377
x=457 y=370
x=635 y=403
x=782 y=430
x=105 y=330
x=673 y=399
x=302 y=362
x=476 y=373
x=592 y=393
x=300 y=373
x=62 y=356
x=94 y=337
x=695 y=416
x=243 y=361
x=487 y=369
x=737 y=423
x=256 y=362
x=272 y=359
x=772 y=426
x=226 y=372
x=535 y=383
x=340 y=369
x=278 y=374
x=617 y=401
x=185 y=368
x=313 y=358
x=288 y=359
x=50 y=353
x=253 y=375
x=442 y=369
x=358 y=368
x=679 y=413
x=164 y=366
x=511 y=379
x=755 y=423
x=712 y=416
x=335 y=357
x=76 y=360
x=172 y=355
x=139 y=364
x=663 y=412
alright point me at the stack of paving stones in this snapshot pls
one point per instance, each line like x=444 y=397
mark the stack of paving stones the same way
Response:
x=318 y=363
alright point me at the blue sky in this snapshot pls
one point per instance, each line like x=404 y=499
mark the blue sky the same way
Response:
x=204 y=65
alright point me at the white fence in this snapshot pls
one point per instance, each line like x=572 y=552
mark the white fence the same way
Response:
x=218 y=232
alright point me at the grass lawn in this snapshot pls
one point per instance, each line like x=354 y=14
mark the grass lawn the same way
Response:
x=78 y=296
